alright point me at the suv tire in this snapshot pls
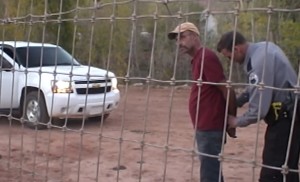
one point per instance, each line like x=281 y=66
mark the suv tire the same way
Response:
x=35 y=112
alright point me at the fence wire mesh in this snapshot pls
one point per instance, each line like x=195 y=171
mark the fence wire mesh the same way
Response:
x=61 y=121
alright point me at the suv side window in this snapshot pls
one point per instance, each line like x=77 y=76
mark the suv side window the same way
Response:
x=10 y=53
x=4 y=64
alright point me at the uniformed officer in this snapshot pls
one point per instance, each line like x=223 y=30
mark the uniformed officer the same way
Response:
x=268 y=68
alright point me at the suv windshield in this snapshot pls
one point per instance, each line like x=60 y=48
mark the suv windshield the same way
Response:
x=44 y=56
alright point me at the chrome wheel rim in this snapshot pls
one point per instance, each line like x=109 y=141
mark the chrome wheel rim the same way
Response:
x=33 y=111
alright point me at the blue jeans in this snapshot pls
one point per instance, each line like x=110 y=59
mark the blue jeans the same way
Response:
x=209 y=142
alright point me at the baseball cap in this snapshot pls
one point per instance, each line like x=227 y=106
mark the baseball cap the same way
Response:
x=182 y=28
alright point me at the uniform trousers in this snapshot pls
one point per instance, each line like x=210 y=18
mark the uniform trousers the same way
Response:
x=275 y=150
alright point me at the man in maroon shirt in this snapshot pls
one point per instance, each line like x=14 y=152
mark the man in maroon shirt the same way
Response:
x=207 y=111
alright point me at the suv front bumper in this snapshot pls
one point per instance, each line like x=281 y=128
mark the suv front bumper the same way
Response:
x=78 y=106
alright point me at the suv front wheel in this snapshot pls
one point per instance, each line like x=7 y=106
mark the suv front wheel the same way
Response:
x=35 y=112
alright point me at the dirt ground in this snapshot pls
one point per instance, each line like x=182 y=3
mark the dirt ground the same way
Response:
x=147 y=139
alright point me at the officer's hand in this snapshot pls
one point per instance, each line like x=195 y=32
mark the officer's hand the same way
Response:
x=232 y=121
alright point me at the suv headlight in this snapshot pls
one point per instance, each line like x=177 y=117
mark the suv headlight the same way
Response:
x=60 y=86
x=114 y=83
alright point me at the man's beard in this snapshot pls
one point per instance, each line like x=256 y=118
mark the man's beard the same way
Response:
x=183 y=50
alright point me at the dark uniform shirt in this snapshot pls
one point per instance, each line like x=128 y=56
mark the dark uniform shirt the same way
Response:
x=265 y=64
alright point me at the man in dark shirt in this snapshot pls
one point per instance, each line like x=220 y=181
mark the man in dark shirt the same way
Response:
x=207 y=111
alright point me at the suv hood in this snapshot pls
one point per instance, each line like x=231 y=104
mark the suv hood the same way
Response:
x=78 y=71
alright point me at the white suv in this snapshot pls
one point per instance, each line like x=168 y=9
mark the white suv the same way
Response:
x=43 y=81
